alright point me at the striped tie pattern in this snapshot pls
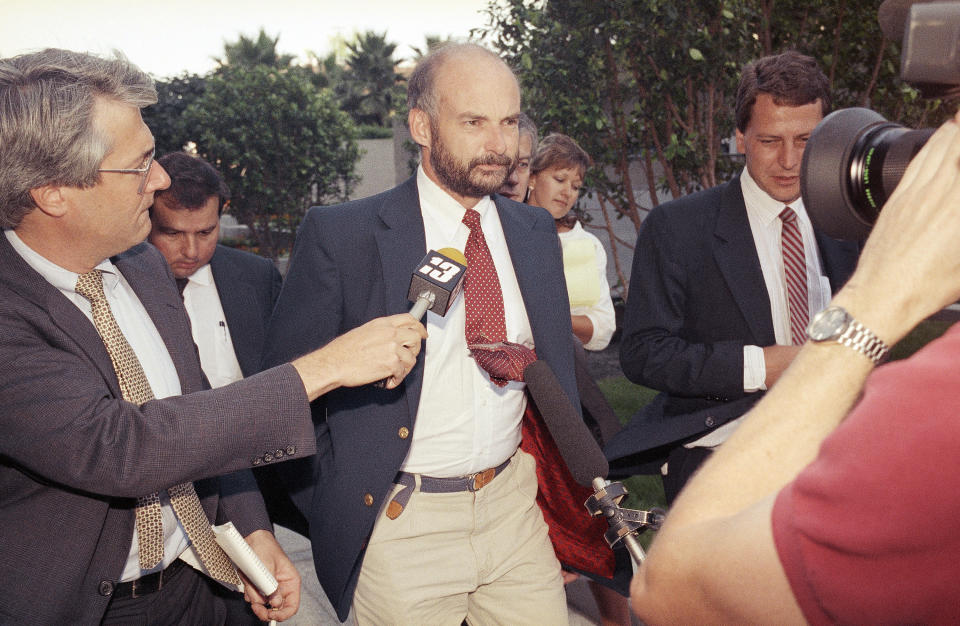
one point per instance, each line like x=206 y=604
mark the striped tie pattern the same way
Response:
x=795 y=271
x=136 y=389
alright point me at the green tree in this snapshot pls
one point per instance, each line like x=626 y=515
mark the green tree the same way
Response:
x=635 y=82
x=370 y=81
x=280 y=143
x=165 y=118
x=649 y=85
x=430 y=42
x=862 y=64
x=324 y=72
x=249 y=52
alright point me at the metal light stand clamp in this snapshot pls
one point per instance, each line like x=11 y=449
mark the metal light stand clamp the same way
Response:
x=625 y=524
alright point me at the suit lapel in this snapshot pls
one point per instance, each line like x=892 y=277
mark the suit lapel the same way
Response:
x=521 y=237
x=736 y=256
x=30 y=285
x=839 y=259
x=401 y=244
x=242 y=317
x=150 y=278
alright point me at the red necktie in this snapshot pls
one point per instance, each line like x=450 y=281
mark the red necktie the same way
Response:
x=486 y=327
x=795 y=270
x=577 y=538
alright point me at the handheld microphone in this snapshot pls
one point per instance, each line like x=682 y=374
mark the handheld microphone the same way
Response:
x=579 y=449
x=437 y=281
x=435 y=284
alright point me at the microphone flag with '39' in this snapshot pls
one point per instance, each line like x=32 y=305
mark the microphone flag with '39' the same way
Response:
x=437 y=281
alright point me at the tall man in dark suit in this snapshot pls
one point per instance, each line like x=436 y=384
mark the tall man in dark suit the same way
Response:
x=718 y=293
x=424 y=509
x=229 y=294
x=111 y=446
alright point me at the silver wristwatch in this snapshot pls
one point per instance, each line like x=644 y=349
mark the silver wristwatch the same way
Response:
x=835 y=324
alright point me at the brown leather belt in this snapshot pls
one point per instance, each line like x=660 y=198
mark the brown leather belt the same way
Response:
x=148 y=584
x=430 y=484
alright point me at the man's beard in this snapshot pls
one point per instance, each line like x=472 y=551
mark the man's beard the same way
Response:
x=467 y=180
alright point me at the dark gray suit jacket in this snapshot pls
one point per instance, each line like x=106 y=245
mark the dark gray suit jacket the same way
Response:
x=352 y=263
x=697 y=296
x=74 y=455
x=248 y=286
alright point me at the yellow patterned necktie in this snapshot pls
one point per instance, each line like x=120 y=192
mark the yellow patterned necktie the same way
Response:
x=183 y=498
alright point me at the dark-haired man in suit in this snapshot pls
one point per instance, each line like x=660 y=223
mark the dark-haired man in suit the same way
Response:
x=229 y=294
x=725 y=280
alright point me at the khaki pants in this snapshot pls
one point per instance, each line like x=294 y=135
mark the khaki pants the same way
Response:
x=482 y=556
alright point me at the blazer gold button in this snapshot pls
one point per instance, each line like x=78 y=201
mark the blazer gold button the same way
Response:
x=278 y=454
x=368 y=499
x=291 y=449
x=404 y=432
x=105 y=588
x=267 y=457
x=257 y=460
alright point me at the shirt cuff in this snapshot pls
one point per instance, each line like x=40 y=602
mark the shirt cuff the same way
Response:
x=754 y=369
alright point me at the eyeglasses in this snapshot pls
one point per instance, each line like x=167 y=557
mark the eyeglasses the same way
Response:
x=143 y=171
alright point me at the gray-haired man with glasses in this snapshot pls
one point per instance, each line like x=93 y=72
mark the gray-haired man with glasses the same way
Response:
x=113 y=456
x=144 y=171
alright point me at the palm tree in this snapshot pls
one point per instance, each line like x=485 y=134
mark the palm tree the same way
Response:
x=248 y=52
x=367 y=91
x=432 y=41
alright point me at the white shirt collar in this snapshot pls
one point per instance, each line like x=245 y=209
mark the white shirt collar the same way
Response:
x=203 y=276
x=61 y=278
x=761 y=204
x=437 y=198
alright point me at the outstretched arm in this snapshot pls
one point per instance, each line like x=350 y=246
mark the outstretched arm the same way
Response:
x=715 y=560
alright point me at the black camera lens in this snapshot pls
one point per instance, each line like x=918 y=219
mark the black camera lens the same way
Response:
x=853 y=161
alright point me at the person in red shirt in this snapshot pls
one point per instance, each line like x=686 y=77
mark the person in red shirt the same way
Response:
x=832 y=502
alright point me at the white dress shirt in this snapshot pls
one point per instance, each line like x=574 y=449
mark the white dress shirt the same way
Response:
x=465 y=423
x=145 y=340
x=210 y=330
x=766 y=226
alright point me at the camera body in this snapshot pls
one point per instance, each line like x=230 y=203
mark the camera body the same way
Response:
x=855 y=158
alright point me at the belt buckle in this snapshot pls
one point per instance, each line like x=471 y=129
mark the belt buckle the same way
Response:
x=481 y=479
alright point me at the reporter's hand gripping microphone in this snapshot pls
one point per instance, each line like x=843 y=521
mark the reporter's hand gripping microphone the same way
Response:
x=435 y=284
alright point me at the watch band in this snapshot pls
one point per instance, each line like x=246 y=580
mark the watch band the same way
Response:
x=864 y=341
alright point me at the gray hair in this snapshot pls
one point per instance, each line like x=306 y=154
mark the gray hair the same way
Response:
x=422 y=84
x=47 y=135
x=526 y=126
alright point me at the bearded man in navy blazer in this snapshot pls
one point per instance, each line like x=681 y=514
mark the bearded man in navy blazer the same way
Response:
x=104 y=399
x=708 y=321
x=458 y=547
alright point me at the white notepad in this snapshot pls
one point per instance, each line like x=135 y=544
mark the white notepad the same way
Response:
x=245 y=558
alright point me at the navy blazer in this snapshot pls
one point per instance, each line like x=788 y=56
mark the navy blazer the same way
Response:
x=248 y=286
x=352 y=263
x=697 y=296
x=74 y=455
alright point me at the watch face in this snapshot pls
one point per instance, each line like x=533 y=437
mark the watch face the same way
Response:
x=828 y=324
